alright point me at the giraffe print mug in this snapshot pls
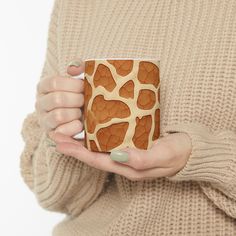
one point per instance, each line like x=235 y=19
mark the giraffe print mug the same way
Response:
x=121 y=103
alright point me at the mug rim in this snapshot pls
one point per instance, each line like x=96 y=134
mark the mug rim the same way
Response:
x=123 y=58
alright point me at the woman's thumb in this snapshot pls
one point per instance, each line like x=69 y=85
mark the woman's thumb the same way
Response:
x=75 y=67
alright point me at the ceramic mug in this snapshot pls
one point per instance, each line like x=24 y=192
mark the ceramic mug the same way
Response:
x=121 y=103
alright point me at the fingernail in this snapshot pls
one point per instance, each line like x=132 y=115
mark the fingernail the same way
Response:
x=52 y=145
x=118 y=155
x=51 y=142
x=75 y=63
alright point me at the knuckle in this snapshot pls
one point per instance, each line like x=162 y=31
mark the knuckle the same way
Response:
x=57 y=116
x=57 y=99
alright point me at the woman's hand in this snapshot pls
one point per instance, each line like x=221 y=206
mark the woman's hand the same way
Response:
x=59 y=101
x=166 y=157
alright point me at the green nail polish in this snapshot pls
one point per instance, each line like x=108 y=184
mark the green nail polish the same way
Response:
x=50 y=142
x=118 y=155
x=74 y=63
x=52 y=145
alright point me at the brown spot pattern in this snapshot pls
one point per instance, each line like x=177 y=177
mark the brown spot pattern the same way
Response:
x=127 y=90
x=87 y=95
x=123 y=67
x=104 y=110
x=89 y=67
x=91 y=121
x=93 y=146
x=146 y=99
x=142 y=131
x=85 y=140
x=156 y=132
x=112 y=136
x=148 y=73
x=103 y=77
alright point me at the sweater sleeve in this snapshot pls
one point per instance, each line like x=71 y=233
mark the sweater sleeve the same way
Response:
x=60 y=183
x=212 y=163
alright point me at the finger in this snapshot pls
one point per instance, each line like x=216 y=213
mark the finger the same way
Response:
x=59 y=83
x=76 y=67
x=71 y=128
x=61 y=116
x=62 y=138
x=97 y=160
x=157 y=156
x=54 y=100
x=102 y=161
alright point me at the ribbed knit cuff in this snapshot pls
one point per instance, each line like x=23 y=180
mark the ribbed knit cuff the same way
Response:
x=63 y=183
x=31 y=134
x=213 y=156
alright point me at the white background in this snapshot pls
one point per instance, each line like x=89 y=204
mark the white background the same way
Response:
x=23 y=35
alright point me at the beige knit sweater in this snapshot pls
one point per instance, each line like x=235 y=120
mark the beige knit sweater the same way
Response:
x=195 y=41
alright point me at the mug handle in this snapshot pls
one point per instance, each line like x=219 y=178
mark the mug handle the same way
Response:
x=80 y=135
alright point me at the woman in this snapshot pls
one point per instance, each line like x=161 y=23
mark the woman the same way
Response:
x=186 y=183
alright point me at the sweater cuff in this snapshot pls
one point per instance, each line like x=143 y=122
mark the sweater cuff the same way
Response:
x=212 y=157
x=31 y=134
